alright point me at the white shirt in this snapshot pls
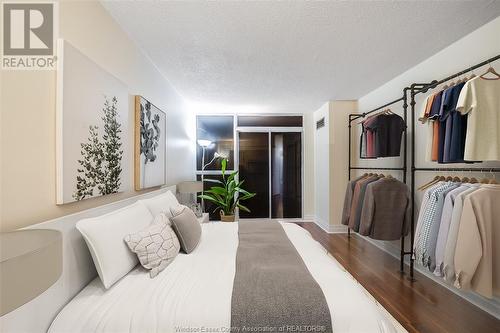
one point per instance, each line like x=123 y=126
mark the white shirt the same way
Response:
x=428 y=130
x=444 y=226
x=451 y=241
x=480 y=99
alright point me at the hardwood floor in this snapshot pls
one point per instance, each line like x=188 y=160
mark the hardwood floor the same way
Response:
x=420 y=306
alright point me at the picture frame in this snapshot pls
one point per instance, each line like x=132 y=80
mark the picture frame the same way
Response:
x=150 y=142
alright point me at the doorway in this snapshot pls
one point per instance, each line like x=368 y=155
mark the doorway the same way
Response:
x=270 y=162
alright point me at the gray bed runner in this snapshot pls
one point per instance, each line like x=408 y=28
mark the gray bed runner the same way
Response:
x=273 y=290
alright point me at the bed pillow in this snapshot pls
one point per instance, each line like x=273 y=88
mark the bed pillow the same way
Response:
x=156 y=246
x=161 y=203
x=186 y=227
x=104 y=237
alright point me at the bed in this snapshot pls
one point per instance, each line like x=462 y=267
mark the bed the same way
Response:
x=194 y=293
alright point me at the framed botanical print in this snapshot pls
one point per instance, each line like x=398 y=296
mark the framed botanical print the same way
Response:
x=92 y=144
x=150 y=145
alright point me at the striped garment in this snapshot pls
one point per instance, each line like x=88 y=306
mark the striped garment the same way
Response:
x=429 y=216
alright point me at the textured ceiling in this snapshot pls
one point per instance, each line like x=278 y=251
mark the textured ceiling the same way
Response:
x=292 y=56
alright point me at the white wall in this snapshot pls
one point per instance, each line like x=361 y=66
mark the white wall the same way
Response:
x=474 y=48
x=330 y=162
x=28 y=118
x=471 y=49
x=322 y=167
x=339 y=151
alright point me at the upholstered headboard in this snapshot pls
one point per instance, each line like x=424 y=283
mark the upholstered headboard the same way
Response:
x=78 y=270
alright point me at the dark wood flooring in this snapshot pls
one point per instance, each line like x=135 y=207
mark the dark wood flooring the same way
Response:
x=420 y=306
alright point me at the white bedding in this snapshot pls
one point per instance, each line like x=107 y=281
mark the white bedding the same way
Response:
x=193 y=294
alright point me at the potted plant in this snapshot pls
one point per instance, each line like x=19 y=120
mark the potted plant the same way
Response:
x=227 y=195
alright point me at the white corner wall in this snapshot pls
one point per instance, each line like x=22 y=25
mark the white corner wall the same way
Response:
x=28 y=118
x=331 y=162
x=322 y=167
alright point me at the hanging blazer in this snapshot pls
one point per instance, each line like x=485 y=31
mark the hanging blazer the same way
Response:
x=386 y=210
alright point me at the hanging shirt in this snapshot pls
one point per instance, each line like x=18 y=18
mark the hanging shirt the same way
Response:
x=451 y=241
x=442 y=127
x=388 y=129
x=429 y=214
x=357 y=202
x=421 y=213
x=348 y=200
x=428 y=125
x=434 y=115
x=430 y=248
x=370 y=140
x=362 y=143
x=444 y=226
x=436 y=105
x=478 y=253
x=456 y=127
x=480 y=100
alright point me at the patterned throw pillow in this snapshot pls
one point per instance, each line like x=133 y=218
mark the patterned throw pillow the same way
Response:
x=156 y=246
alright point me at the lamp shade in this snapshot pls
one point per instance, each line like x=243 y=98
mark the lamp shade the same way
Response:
x=204 y=143
x=190 y=187
x=30 y=262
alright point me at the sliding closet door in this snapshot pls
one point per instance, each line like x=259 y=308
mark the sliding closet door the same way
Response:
x=286 y=175
x=254 y=169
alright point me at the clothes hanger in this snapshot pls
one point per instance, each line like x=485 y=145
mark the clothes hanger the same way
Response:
x=457 y=179
x=490 y=70
x=449 y=178
x=465 y=180
x=473 y=75
x=429 y=184
x=389 y=176
x=368 y=117
x=484 y=180
x=473 y=180
x=494 y=179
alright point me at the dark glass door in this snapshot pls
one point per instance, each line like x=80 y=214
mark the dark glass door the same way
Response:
x=254 y=169
x=286 y=175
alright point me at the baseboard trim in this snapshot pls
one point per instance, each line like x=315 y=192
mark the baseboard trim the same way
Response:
x=308 y=218
x=490 y=306
x=330 y=228
x=338 y=229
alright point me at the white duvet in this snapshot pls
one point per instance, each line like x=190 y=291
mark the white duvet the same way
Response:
x=193 y=294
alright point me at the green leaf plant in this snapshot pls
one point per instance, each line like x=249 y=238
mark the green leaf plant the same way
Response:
x=228 y=193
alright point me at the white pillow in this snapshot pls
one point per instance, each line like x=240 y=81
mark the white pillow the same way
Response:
x=161 y=203
x=104 y=237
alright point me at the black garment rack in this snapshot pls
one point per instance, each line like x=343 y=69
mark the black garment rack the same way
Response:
x=413 y=90
x=404 y=168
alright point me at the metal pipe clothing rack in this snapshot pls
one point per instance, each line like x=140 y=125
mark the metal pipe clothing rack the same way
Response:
x=355 y=116
x=415 y=89
x=412 y=91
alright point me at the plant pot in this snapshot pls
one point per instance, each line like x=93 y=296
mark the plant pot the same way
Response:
x=226 y=218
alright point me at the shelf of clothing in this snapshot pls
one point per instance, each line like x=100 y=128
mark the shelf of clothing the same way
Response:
x=409 y=94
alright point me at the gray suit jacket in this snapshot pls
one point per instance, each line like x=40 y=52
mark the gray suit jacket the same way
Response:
x=386 y=210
